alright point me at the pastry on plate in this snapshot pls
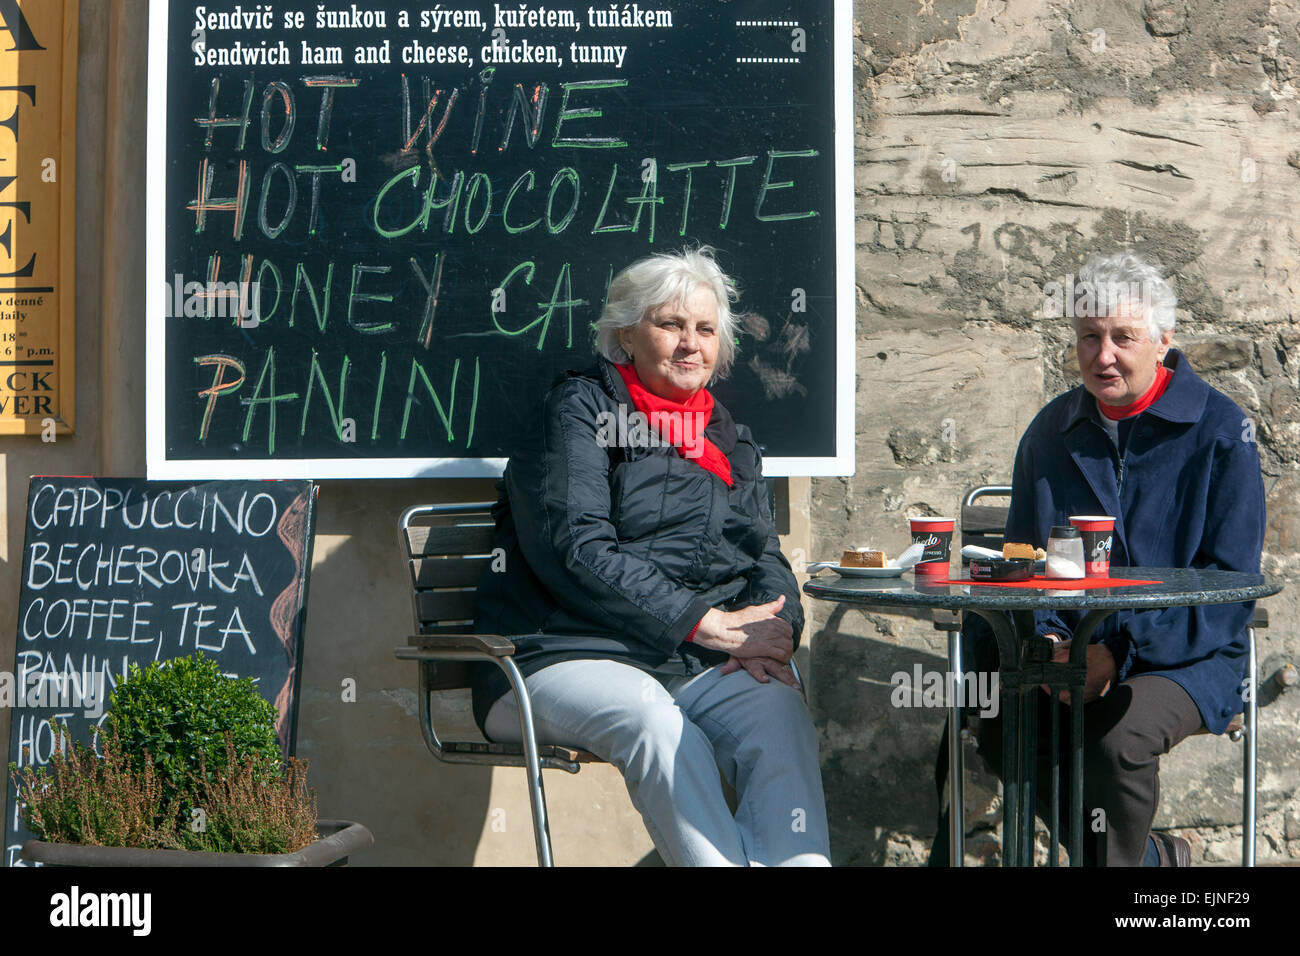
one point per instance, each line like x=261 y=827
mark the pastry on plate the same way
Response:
x=862 y=558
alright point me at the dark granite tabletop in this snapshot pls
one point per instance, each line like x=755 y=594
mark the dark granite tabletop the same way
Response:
x=1179 y=587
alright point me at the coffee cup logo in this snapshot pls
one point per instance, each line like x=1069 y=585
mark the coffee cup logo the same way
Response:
x=934 y=545
x=933 y=535
x=1101 y=549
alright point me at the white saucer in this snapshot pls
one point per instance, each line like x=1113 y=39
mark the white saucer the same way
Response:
x=857 y=572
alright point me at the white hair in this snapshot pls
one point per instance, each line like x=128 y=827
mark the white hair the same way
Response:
x=664 y=279
x=1127 y=279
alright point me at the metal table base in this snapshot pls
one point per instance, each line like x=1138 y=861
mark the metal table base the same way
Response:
x=1025 y=666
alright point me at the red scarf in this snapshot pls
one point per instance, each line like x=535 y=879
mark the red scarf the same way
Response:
x=1116 y=412
x=667 y=417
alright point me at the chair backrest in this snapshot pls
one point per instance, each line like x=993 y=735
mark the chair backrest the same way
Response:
x=983 y=525
x=447 y=549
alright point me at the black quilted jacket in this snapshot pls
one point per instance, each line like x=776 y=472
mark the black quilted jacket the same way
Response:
x=615 y=551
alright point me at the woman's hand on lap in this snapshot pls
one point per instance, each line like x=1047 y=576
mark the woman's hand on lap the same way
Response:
x=763 y=669
x=749 y=632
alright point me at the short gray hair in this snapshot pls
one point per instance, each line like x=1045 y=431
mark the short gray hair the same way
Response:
x=1127 y=278
x=663 y=279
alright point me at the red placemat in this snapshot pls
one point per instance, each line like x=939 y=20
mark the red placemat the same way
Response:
x=1038 y=581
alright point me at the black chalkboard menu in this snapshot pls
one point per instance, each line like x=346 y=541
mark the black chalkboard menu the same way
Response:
x=120 y=571
x=378 y=230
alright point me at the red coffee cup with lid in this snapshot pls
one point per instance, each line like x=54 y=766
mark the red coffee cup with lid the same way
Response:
x=1098 y=536
x=935 y=534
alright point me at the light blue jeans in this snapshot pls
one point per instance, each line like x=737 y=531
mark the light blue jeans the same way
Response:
x=669 y=737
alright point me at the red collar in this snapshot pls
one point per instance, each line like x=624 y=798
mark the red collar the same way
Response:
x=1116 y=412
x=682 y=424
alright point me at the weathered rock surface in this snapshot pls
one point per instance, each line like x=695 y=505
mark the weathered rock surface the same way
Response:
x=999 y=144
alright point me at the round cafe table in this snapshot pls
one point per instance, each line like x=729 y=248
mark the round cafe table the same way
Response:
x=1026 y=664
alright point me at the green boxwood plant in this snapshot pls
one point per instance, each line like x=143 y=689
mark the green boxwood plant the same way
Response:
x=179 y=713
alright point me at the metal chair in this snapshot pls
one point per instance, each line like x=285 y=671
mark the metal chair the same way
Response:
x=984 y=525
x=447 y=548
x=1245 y=727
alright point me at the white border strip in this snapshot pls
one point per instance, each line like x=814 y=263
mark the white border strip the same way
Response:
x=155 y=248
x=195 y=469
x=846 y=320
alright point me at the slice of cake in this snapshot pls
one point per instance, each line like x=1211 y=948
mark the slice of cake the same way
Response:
x=1010 y=550
x=862 y=558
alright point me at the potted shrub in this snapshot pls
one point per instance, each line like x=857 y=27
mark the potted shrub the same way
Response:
x=190 y=774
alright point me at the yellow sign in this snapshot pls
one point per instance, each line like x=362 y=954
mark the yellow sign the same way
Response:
x=38 y=123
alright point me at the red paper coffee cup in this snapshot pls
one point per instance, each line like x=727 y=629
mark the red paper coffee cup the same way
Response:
x=936 y=536
x=1098 y=533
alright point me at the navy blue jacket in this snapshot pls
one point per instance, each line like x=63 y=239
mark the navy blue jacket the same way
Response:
x=1186 y=494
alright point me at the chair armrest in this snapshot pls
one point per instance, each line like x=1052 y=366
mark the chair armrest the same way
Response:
x=427 y=647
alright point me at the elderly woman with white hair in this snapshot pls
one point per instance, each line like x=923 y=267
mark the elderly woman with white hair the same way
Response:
x=1146 y=440
x=643 y=566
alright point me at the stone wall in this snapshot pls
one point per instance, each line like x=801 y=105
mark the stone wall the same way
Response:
x=998 y=144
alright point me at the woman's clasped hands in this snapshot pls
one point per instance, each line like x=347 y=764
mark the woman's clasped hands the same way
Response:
x=757 y=640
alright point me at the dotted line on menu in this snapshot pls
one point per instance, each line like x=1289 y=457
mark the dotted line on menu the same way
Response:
x=767 y=23
x=767 y=59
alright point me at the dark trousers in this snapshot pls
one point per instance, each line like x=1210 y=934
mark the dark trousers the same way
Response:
x=1125 y=734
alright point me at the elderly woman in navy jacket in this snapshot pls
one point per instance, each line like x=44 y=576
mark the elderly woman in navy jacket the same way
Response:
x=1146 y=440
x=643 y=566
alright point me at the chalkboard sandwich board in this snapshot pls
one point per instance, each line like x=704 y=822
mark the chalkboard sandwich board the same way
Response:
x=121 y=571
x=377 y=231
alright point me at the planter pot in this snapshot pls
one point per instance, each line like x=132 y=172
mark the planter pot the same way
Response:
x=337 y=838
